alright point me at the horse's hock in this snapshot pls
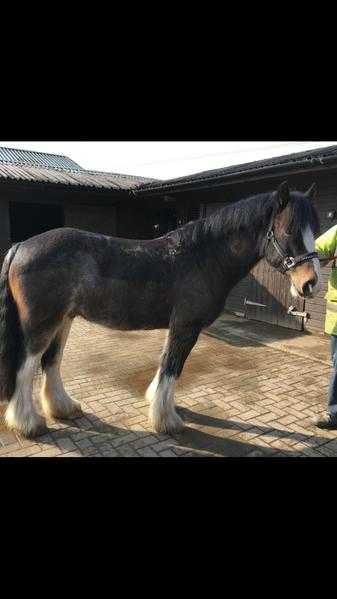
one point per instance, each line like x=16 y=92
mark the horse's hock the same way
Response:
x=236 y=396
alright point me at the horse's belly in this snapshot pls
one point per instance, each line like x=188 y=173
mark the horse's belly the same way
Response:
x=127 y=306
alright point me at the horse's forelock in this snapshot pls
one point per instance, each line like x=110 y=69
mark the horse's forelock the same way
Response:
x=302 y=213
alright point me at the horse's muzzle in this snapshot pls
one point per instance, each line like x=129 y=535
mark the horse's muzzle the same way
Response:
x=308 y=290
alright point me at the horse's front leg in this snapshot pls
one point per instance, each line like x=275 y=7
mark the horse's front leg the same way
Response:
x=160 y=393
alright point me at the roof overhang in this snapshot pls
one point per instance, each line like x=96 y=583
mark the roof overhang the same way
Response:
x=304 y=162
x=79 y=179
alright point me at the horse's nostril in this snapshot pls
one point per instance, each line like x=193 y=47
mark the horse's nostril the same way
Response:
x=308 y=286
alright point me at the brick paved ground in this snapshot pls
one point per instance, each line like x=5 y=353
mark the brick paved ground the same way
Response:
x=237 y=397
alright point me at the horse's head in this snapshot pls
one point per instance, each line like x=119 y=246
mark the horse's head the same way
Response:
x=290 y=243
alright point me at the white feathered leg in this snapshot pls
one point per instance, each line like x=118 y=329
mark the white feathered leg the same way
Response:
x=21 y=414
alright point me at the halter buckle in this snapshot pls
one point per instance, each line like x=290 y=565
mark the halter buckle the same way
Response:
x=289 y=262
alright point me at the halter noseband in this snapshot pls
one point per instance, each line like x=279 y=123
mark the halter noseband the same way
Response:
x=287 y=262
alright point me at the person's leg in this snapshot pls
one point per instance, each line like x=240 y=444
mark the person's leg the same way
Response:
x=329 y=420
x=332 y=394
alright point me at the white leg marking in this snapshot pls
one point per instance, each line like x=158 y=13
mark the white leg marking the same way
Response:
x=21 y=414
x=152 y=388
x=55 y=401
x=162 y=414
x=309 y=242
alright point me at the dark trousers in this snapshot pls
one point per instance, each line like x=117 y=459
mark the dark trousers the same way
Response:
x=332 y=393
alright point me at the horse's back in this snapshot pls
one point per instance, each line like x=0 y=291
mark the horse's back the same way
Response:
x=117 y=282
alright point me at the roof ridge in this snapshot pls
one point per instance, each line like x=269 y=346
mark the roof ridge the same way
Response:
x=75 y=169
x=37 y=158
x=36 y=152
x=201 y=176
x=80 y=170
x=42 y=166
x=122 y=175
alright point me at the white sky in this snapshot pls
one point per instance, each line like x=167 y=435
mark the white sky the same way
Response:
x=165 y=160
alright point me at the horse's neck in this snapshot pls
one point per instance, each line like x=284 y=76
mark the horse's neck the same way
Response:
x=238 y=248
x=243 y=252
x=238 y=254
x=231 y=259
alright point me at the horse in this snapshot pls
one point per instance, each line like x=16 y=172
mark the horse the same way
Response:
x=178 y=282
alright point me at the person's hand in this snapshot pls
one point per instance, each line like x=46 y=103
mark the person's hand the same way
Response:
x=326 y=261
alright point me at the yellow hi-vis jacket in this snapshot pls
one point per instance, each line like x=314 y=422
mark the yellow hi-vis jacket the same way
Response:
x=326 y=246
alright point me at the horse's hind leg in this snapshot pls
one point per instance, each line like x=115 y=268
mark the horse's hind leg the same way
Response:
x=21 y=414
x=160 y=393
x=55 y=402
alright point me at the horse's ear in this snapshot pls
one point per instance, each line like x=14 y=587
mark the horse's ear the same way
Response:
x=311 y=193
x=283 y=194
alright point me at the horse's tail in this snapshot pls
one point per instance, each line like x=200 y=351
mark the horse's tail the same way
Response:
x=11 y=336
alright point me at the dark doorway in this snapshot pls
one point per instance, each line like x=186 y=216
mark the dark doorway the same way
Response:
x=165 y=221
x=27 y=220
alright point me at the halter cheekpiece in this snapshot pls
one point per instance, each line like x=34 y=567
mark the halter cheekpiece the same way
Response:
x=287 y=262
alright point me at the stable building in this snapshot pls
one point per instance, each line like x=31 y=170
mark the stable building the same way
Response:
x=43 y=191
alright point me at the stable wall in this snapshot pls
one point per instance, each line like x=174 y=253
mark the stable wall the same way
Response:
x=97 y=219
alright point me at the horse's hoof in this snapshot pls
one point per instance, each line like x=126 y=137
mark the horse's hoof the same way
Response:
x=33 y=426
x=61 y=410
x=31 y=433
x=42 y=429
x=75 y=412
x=171 y=423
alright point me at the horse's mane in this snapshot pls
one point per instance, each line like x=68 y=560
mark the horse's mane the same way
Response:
x=252 y=215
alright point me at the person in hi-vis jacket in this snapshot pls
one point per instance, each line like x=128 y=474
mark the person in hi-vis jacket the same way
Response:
x=326 y=246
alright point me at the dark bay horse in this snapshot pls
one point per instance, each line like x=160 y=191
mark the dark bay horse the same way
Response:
x=178 y=282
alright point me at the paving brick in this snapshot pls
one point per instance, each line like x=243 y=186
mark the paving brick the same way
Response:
x=167 y=454
x=84 y=443
x=66 y=444
x=127 y=451
x=162 y=445
x=109 y=453
x=4 y=451
x=262 y=408
x=48 y=453
x=7 y=438
x=24 y=452
x=143 y=442
x=147 y=452
x=70 y=454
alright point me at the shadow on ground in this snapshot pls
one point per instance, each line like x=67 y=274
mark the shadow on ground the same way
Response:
x=204 y=434
x=242 y=332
